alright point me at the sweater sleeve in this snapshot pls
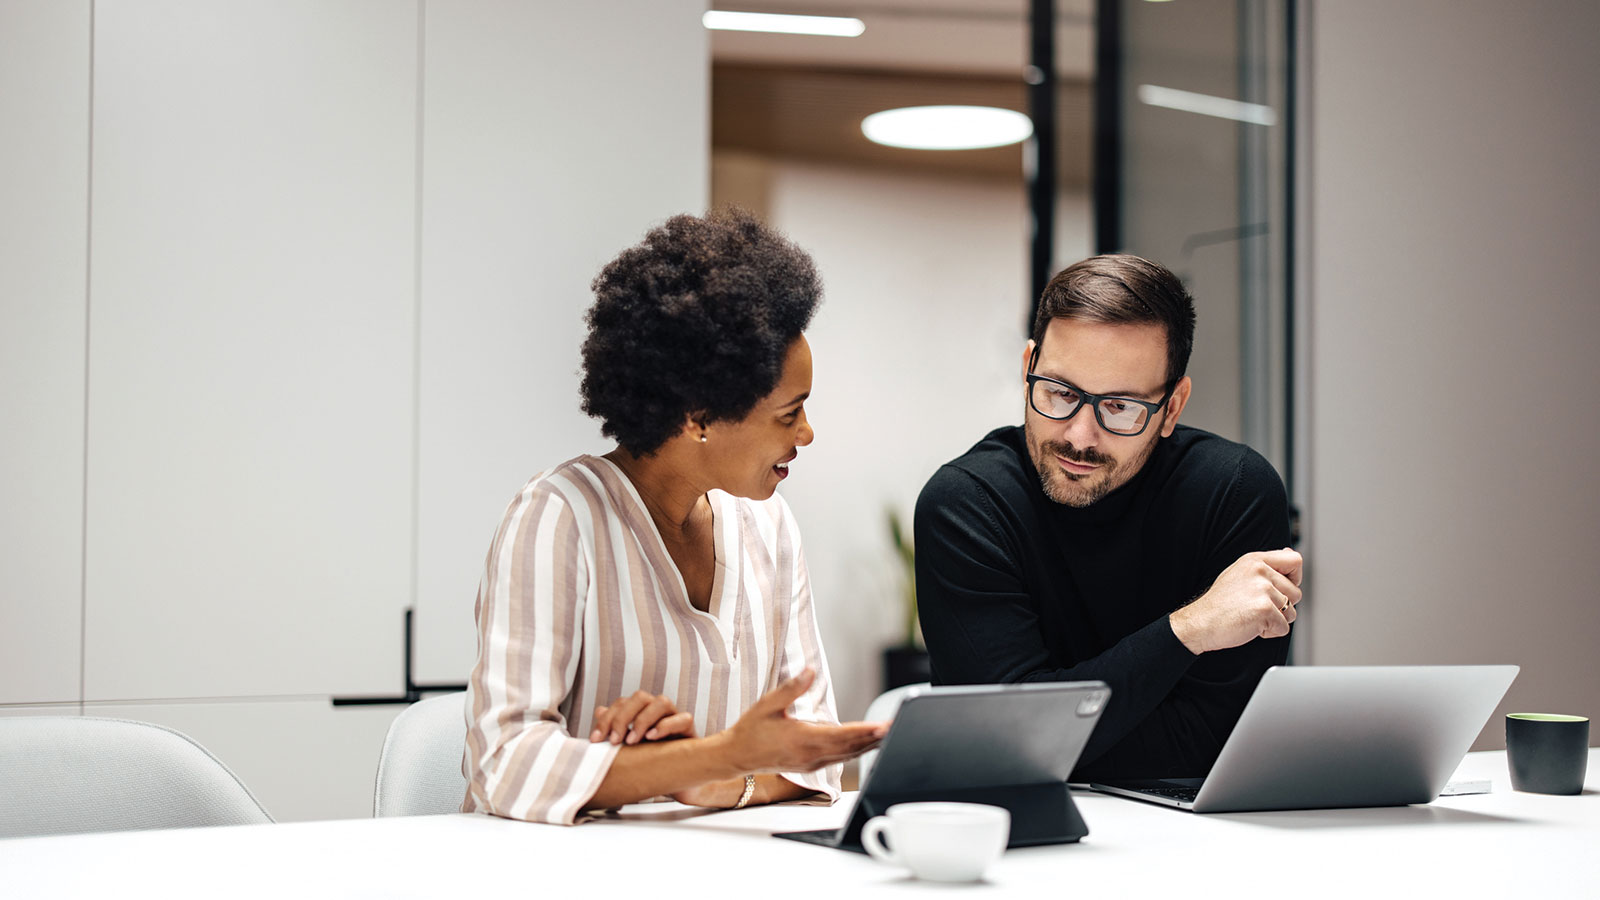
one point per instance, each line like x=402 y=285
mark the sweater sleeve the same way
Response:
x=521 y=763
x=981 y=626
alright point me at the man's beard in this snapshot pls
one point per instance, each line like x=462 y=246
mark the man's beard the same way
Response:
x=1071 y=489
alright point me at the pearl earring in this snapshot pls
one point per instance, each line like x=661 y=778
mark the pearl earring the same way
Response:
x=702 y=437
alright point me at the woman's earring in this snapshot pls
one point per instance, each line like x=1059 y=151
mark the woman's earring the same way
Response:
x=702 y=437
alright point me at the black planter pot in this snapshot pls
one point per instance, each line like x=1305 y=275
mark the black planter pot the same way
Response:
x=905 y=665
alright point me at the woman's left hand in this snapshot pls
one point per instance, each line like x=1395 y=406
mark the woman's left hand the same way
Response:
x=712 y=794
x=641 y=717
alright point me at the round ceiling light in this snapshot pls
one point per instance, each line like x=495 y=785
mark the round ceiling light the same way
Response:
x=947 y=127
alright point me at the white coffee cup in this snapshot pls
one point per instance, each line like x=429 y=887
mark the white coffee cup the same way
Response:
x=939 y=841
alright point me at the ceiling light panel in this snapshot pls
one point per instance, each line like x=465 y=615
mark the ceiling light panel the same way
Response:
x=947 y=127
x=829 y=26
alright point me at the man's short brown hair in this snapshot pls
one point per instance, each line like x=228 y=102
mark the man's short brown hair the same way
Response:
x=1123 y=289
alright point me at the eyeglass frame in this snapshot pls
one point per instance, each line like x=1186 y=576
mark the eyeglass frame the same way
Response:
x=1093 y=400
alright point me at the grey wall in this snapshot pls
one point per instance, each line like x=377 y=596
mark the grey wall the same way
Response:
x=1452 y=514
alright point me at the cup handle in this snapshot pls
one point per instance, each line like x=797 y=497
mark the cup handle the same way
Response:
x=872 y=840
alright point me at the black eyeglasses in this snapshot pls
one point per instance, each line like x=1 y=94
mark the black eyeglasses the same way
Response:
x=1119 y=415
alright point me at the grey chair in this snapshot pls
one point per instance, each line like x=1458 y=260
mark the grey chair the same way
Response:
x=419 y=771
x=883 y=709
x=79 y=774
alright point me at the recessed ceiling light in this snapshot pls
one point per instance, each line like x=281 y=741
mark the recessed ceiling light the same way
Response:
x=947 y=127
x=831 y=26
x=1207 y=105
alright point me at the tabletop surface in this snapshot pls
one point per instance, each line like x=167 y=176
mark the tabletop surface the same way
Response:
x=1502 y=843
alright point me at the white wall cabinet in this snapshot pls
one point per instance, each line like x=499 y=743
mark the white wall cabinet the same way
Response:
x=324 y=263
x=44 y=196
x=251 y=359
x=552 y=139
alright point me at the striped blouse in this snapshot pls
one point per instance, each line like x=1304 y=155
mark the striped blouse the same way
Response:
x=580 y=604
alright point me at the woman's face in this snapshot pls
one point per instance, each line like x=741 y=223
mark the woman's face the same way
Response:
x=748 y=458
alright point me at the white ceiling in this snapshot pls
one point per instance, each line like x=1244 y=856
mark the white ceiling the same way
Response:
x=981 y=37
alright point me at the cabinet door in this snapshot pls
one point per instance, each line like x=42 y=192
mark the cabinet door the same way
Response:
x=251 y=362
x=44 y=194
x=554 y=135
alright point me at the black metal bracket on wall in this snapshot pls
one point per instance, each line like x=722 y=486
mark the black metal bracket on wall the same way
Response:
x=1041 y=153
x=412 y=690
x=1108 y=126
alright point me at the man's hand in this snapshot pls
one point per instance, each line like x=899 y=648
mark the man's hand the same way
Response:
x=1252 y=598
x=767 y=739
x=640 y=717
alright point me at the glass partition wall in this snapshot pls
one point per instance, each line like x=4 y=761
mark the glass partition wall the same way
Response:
x=1194 y=140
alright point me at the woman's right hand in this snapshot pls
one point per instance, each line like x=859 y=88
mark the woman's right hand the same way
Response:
x=767 y=739
x=641 y=716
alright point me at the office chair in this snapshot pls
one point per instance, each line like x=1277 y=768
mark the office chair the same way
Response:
x=419 y=771
x=883 y=709
x=79 y=774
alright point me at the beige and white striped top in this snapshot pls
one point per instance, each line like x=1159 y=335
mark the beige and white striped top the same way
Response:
x=580 y=604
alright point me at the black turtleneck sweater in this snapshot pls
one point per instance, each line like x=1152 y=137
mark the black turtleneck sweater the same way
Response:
x=1013 y=586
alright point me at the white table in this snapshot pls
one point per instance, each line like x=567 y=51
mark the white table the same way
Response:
x=1502 y=844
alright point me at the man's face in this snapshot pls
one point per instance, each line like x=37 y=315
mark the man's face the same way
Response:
x=1080 y=462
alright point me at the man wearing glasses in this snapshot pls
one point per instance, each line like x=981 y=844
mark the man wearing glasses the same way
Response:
x=1102 y=540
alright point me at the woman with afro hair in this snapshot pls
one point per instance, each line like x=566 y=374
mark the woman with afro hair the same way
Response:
x=645 y=623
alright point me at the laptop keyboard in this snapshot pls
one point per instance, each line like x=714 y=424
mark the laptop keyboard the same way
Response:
x=1176 y=793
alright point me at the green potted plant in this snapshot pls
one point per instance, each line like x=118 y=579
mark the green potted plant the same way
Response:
x=907 y=661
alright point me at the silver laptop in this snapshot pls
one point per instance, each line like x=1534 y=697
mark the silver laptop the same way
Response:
x=1320 y=737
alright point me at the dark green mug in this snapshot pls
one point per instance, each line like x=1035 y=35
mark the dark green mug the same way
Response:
x=1547 y=753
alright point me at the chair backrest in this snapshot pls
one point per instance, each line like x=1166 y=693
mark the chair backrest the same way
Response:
x=419 y=773
x=77 y=774
x=883 y=709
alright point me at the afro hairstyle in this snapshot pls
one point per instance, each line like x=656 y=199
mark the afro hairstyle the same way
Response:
x=693 y=323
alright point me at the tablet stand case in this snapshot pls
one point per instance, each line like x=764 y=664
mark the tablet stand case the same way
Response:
x=1040 y=814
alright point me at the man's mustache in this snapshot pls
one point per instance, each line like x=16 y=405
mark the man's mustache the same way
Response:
x=1088 y=456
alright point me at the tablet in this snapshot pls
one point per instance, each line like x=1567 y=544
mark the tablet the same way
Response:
x=1010 y=745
